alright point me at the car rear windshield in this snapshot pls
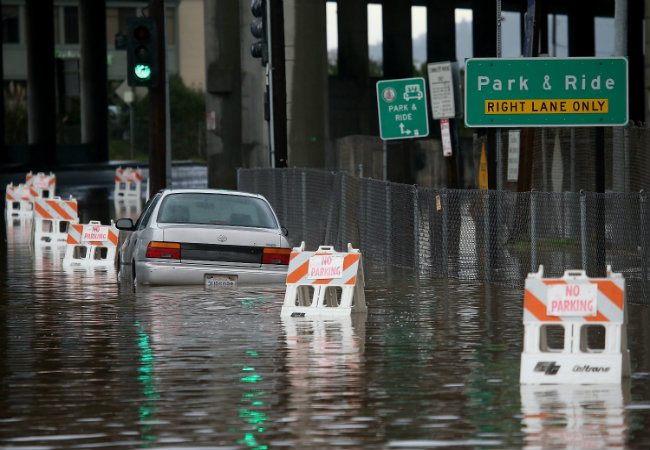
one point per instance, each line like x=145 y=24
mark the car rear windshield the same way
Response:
x=216 y=209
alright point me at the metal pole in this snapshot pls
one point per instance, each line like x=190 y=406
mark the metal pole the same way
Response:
x=533 y=231
x=269 y=81
x=619 y=142
x=643 y=205
x=416 y=230
x=384 y=148
x=583 y=228
x=445 y=235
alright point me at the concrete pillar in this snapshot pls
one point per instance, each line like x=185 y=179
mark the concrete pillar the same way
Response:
x=307 y=88
x=398 y=43
x=223 y=91
x=255 y=135
x=441 y=31
x=484 y=30
x=646 y=64
x=93 y=78
x=41 y=103
x=352 y=96
x=636 y=59
x=353 y=41
x=581 y=32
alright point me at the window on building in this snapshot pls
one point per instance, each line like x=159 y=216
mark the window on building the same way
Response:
x=10 y=27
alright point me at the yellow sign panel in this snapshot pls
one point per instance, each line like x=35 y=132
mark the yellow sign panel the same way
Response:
x=548 y=106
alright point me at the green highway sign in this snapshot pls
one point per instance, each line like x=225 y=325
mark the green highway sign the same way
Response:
x=546 y=92
x=402 y=106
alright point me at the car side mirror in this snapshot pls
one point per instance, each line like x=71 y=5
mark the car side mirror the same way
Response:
x=285 y=232
x=124 y=224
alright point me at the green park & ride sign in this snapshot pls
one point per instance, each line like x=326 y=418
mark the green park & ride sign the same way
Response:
x=538 y=92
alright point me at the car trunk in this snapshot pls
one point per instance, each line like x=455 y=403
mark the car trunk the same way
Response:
x=222 y=245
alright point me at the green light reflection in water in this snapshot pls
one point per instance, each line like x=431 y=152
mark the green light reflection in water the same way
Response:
x=145 y=375
x=249 y=413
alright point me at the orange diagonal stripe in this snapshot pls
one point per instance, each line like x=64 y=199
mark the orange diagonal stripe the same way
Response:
x=350 y=259
x=62 y=212
x=297 y=274
x=612 y=292
x=537 y=308
x=112 y=237
x=41 y=212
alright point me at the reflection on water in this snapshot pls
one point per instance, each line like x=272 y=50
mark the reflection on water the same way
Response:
x=575 y=417
x=86 y=363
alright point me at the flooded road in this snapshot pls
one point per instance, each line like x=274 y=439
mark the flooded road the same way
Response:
x=86 y=363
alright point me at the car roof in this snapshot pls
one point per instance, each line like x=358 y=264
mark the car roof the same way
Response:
x=210 y=191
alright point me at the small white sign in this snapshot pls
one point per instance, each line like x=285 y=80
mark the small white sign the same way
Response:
x=441 y=89
x=578 y=299
x=325 y=266
x=514 y=143
x=446 y=137
x=94 y=233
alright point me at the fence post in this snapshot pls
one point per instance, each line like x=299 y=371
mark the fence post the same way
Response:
x=486 y=234
x=644 y=244
x=416 y=230
x=445 y=234
x=583 y=228
x=388 y=244
x=533 y=231
x=303 y=195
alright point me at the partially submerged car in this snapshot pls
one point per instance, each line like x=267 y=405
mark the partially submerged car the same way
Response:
x=204 y=236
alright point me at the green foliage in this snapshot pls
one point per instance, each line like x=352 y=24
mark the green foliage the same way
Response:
x=187 y=124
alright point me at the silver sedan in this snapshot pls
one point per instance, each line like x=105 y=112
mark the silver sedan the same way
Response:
x=204 y=237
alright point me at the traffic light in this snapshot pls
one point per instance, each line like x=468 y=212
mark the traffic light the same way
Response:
x=142 y=52
x=260 y=48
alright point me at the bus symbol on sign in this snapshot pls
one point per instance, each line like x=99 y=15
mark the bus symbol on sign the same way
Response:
x=413 y=91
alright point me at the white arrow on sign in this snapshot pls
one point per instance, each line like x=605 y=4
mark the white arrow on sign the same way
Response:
x=403 y=130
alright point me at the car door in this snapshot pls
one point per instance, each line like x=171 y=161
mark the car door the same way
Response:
x=131 y=243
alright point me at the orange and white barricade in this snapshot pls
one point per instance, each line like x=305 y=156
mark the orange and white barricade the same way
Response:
x=128 y=184
x=18 y=202
x=575 y=329
x=324 y=283
x=52 y=219
x=91 y=245
x=41 y=185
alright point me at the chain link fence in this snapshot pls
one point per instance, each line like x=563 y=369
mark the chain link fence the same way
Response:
x=489 y=236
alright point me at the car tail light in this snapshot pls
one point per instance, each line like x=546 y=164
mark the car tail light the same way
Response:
x=276 y=256
x=167 y=250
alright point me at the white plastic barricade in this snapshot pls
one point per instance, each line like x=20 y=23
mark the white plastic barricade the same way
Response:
x=91 y=245
x=128 y=183
x=41 y=185
x=575 y=329
x=324 y=283
x=18 y=201
x=52 y=218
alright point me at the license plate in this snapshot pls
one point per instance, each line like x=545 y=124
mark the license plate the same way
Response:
x=215 y=281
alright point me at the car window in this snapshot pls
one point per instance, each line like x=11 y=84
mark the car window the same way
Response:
x=216 y=209
x=147 y=211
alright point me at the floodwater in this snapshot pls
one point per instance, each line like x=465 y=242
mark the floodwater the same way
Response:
x=86 y=363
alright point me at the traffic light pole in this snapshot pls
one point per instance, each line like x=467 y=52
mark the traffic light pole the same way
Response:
x=277 y=82
x=158 y=108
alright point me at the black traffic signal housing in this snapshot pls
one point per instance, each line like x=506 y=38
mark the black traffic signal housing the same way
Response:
x=142 y=52
x=259 y=29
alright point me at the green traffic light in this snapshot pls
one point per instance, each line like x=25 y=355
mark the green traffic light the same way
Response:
x=142 y=71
